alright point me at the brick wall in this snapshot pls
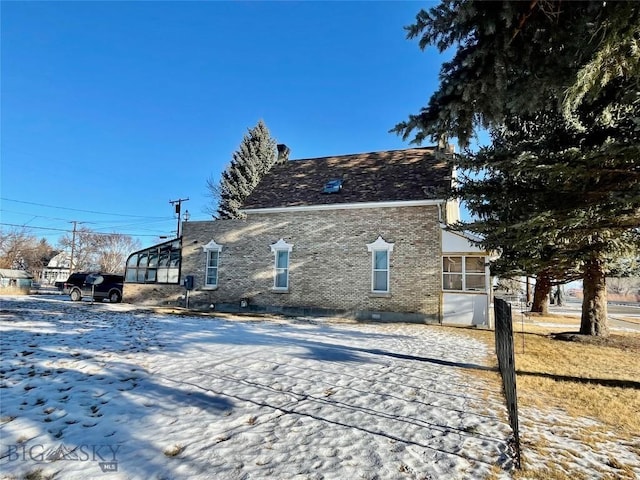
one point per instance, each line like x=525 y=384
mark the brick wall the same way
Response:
x=151 y=294
x=330 y=266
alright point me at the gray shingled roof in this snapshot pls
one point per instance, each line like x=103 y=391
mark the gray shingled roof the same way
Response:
x=394 y=175
x=8 y=273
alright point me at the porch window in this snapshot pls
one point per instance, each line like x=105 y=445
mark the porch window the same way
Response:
x=463 y=273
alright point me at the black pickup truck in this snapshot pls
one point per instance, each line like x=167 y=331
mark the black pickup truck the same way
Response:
x=94 y=285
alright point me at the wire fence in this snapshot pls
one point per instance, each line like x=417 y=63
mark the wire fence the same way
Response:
x=506 y=364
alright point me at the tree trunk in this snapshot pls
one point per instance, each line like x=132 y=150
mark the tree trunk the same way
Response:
x=541 y=294
x=594 y=304
x=560 y=295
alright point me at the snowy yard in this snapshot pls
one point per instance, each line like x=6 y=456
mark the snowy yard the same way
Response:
x=114 y=392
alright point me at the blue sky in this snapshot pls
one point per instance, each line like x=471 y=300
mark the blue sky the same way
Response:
x=112 y=109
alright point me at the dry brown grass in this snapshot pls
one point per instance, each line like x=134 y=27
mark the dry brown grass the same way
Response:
x=585 y=380
x=598 y=381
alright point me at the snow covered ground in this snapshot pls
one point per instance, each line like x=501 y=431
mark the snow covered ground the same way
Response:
x=115 y=392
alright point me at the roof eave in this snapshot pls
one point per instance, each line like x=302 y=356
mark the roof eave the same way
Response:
x=345 y=206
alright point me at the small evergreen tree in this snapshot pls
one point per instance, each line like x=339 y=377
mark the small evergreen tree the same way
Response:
x=253 y=159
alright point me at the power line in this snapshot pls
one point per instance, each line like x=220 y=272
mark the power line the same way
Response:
x=135 y=224
x=145 y=220
x=38 y=228
x=131 y=221
x=27 y=227
x=77 y=209
x=110 y=222
x=37 y=216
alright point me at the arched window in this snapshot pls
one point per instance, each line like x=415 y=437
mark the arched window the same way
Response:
x=380 y=253
x=281 y=251
x=213 y=261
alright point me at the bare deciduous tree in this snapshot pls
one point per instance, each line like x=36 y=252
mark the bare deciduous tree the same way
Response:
x=98 y=251
x=83 y=245
x=624 y=286
x=21 y=251
x=113 y=250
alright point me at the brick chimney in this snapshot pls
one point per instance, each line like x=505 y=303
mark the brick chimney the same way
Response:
x=283 y=153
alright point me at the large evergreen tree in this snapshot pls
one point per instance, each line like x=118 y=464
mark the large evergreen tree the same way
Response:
x=561 y=189
x=255 y=157
x=553 y=209
x=514 y=57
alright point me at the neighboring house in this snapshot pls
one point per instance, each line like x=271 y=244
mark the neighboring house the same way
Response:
x=353 y=235
x=57 y=270
x=15 y=281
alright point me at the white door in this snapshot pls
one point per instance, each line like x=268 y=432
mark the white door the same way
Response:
x=464 y=308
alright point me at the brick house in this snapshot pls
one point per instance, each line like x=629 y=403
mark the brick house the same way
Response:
x=354 y=235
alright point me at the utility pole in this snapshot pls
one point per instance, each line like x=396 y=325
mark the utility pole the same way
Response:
x=178 y=205
x=73 y=244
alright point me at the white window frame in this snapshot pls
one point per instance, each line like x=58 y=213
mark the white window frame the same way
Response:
x=210 y=248
x=281 y=246
x=464 y=274
x=380 y=245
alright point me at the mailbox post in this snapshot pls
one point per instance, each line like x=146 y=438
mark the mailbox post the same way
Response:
x=96 y=281
x=188 y=285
